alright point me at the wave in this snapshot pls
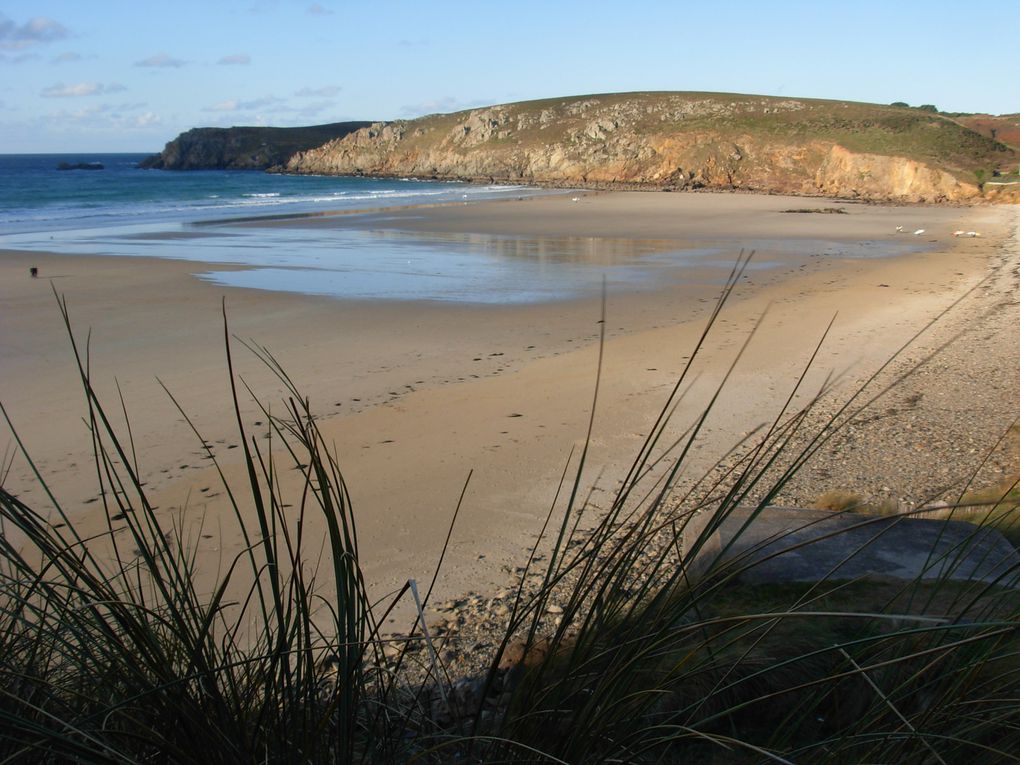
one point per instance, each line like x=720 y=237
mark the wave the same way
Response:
x=142 y=198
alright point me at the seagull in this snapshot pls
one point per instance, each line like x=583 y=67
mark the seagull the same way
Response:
x=900 y=229
x=961 y=232
x=575 y=199
x=919 y=232
x=972 y=233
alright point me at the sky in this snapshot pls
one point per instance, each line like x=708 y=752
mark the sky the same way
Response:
x=107 y=76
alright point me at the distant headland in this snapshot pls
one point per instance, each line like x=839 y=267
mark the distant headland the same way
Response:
x=243 y=148
x=655 y=140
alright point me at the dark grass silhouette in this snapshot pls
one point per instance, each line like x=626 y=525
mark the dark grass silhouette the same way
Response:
x=658 y=651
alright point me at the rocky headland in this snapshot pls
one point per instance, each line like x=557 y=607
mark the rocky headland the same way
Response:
x=243 y=148
x=680 y=141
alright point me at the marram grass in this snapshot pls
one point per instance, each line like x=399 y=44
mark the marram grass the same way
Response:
x=659 y=652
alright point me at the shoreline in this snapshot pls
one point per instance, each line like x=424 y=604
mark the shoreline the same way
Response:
x=416 y=395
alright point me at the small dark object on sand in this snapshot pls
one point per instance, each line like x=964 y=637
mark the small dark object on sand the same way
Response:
x=34 y=271
x=822 y=210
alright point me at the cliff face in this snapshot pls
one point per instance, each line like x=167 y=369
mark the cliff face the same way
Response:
x=243 y=148
x=678 y=141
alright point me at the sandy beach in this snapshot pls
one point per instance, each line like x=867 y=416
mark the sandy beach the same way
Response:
x=416 y=395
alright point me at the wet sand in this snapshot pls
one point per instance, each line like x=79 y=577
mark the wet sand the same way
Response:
x=418 y=394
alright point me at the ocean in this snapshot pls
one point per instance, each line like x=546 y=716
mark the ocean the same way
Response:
x=36 y=197
x=122 y=210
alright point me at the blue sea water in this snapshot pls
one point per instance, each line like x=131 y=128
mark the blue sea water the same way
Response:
x=37 y=197
x=122 y=210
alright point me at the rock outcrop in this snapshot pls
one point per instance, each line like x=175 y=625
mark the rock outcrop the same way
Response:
x=679 y=141
x=81 y=166
x=243 y=148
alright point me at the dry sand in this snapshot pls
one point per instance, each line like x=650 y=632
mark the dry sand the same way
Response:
x=416 y=395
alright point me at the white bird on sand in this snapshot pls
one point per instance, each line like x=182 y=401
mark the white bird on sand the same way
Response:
x=961 y=232
x=899 y=228
x=575 y=199
x=972 y=233
x=919 y=232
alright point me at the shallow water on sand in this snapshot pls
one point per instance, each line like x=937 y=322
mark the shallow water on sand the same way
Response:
x=391 y=264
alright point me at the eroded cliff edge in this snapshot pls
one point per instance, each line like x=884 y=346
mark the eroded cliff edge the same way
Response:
x=680 y=141
x=243 y=148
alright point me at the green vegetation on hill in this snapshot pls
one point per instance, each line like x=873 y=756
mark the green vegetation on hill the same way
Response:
x=1004 y=127
x=681 y=140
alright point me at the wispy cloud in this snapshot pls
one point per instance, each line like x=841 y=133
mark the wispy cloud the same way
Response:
x=317 y=9
x=442 y=106
x=326 y=91
x=235 y=59
x=79 y=89
x=66 y=58
x=236 y=105
x=230 y=105
x=104 y=116
x=148 y=119
x=162 y=61
x=314 y=109
x=35 y=31
x=18 y=58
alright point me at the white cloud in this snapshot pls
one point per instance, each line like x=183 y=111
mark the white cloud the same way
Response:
x=442 y=106
x=236 y=59
x=327 y=91
x=162 y=61
x=105 y=116
x=235 y=105
x=147 y=120
x=18 y=58
x=79 y=89
x=66 y=58
x=314 y=109
x=223 y=106
x=316 y=9
x=35 y=31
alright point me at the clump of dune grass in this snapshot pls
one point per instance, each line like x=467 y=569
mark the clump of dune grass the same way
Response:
x=839 y=500
x=994 y=506
x=843 y=501
x=659 y=651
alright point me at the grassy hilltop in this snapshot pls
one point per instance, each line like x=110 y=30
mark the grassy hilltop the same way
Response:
x=681 y=141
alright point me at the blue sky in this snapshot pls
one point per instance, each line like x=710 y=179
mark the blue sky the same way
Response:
x=106 y=75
